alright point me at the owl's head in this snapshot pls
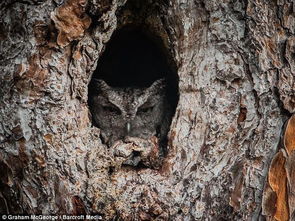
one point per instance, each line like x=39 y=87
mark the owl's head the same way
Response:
x=133 y=112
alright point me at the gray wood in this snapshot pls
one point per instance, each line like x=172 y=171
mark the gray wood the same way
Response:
x=235 y=61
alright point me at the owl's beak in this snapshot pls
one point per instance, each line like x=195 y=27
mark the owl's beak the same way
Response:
x=128 y=127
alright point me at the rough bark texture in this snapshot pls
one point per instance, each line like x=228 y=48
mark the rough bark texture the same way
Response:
x=236 y=68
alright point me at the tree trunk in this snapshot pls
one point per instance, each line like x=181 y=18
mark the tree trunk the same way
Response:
x=229 y=156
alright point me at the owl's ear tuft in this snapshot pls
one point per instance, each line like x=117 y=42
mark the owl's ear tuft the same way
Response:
x=158 y=85
x=101 y=85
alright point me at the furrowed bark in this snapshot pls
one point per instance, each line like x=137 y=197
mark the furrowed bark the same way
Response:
x=229 y=154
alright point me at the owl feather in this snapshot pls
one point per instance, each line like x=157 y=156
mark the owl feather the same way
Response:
x=130 y=111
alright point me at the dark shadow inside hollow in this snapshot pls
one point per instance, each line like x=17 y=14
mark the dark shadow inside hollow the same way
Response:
x=132 y=58
x=136 y=58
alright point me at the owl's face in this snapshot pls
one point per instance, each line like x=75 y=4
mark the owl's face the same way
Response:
x=134 y=112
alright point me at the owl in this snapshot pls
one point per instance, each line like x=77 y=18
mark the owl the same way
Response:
x=130 y=112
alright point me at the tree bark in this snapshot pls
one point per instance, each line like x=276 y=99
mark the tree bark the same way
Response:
x=229 y=154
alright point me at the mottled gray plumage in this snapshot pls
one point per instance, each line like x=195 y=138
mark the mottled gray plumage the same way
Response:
x=130 y=112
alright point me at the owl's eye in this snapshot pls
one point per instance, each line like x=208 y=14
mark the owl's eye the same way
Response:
x=111 y=109
x=144 y=110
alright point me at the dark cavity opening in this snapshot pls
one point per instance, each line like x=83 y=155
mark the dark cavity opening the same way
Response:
x=132 y=58
x=135 y=57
